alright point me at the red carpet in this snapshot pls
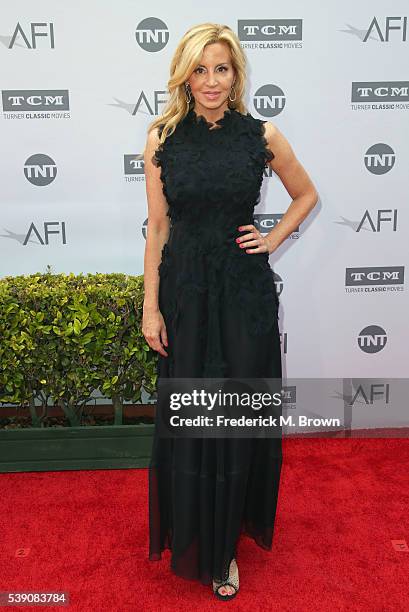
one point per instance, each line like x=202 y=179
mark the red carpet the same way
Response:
x=341 y=504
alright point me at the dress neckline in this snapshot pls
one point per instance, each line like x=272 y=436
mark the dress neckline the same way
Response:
x=200 y=119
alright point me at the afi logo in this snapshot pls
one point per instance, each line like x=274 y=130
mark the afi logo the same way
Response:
x=369 y=393
x=388 y=216
x=375 y=222
x=143 y=101
x=39 y=236
x=382 y=32
x=29 y=38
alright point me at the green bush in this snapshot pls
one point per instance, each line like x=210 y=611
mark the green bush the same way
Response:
x=65 y=336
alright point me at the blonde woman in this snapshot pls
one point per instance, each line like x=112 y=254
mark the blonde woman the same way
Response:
x=211 y=306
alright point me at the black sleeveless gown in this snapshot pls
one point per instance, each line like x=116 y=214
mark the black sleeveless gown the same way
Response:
x=220 y=308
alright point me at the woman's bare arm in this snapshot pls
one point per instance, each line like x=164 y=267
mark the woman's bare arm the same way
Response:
x=299 y=187
x=296 y=181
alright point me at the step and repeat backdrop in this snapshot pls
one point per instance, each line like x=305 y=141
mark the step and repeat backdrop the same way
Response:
x=81 y=82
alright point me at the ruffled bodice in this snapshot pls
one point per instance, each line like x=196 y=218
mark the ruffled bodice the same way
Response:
x=211 y=179
x=226 y=163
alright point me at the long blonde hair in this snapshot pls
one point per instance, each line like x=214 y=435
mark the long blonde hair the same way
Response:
x=185 y=59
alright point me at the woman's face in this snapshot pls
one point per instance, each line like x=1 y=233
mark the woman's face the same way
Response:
x=212 y=79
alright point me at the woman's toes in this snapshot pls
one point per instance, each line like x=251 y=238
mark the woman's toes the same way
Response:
x=225 y=590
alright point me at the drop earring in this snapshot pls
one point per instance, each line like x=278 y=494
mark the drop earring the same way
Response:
x=188 y=91
x=235 y=95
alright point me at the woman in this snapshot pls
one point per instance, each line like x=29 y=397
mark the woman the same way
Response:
x=211 y=306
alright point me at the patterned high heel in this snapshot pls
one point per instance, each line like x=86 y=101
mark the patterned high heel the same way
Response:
x=232 y=580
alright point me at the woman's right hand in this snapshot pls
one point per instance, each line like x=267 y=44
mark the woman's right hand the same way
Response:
x=154 y=330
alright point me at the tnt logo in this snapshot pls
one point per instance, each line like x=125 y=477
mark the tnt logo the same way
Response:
x=269 y=100
x=379 y=159
x=372 y=339
x=152 y=34
x=40 y=170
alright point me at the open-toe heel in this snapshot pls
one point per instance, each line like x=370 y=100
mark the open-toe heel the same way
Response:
x=232 y=581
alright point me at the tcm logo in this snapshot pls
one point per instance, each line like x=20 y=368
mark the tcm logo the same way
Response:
x=382 y=218
x=18 y=100
x=39 y=235
x=269 y=29
x=379 y=159
x=380 y=91
x=40 y=170
x=289 y=396
x=385 y=275
x=152 y=34
x=27 y=37
x=265 y=222
x=372 y=339
x=269 y=100
x=134 y=164
x=380 y=30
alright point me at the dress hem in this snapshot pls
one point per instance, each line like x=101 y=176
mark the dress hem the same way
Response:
x=244 y=532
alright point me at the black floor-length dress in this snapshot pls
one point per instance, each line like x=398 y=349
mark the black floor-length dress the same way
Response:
x=220 y=306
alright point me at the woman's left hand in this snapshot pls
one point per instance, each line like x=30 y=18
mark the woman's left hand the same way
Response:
x=253 y=241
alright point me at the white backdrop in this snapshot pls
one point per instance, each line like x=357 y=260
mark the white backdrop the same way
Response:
x=80 y=84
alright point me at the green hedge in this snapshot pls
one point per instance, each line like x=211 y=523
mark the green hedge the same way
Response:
x=64 y=336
